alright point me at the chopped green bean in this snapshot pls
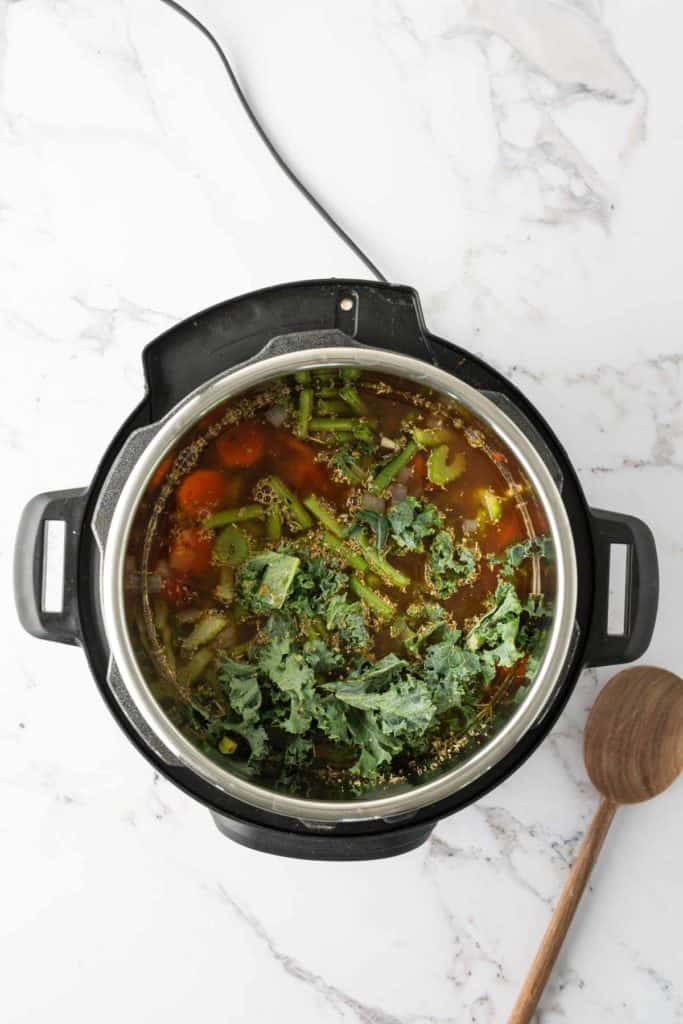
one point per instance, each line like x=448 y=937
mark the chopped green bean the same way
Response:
x=393 y=467
x=339 y=423
x=374 y=601
x=350 y=395
x=233 y=515
x=315 y=505
x=293 y=506
x=305 y=411
x=274 y=523
x=344 y=551
x=332 y=407
x=380 y=564
x=350 y=373
x=302 y=376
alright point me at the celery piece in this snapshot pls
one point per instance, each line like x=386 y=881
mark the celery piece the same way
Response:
x=233 y=515
x=323 y=514
x=195 y=666
x=293 y=506
x=206 y=630
x=374 y=601
x=492 y=504
x=394 y=466
x=225 y=590
x=439 y=470
x=380 y=564
x=277 y=579
x=231 y=546
x=430 y=437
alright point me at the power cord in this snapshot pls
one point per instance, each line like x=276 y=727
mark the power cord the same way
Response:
x=280 y=161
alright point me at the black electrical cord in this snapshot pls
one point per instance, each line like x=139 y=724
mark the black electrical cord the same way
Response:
x=282 y=164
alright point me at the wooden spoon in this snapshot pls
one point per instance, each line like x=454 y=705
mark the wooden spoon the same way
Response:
x=633 y=750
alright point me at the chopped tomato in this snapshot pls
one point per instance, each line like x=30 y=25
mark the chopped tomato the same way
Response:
x=243 y=445
x=509 y=530
x=191 y=551
x=299 y=467
x=177 y=589
x=201 y=492
x=160 y=472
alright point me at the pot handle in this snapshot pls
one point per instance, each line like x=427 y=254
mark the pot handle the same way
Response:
x=642 y=588
x=65 y=507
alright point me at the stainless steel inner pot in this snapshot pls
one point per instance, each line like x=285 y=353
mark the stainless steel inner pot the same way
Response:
x=119 y=500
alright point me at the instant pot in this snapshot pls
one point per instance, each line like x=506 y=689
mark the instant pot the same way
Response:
x=221 y=352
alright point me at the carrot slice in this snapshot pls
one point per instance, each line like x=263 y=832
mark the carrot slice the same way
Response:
x=191 y=551
x=299 y=468
x=201 y=492
x=243 y=445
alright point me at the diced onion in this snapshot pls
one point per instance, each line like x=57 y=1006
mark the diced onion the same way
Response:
x=386 y=442
x=276 y=415
x=373 y=503
x=398 y=492
x=470 y=525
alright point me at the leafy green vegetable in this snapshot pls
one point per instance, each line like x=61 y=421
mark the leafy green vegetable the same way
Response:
x=411 y=521
x=348 y=465
x=315 y=584
x=265 y=580
x=376 y=521
x=449 y=565
x=347 y=617
x=514 y=555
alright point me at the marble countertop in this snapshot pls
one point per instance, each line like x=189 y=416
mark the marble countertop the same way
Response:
x=519 y=162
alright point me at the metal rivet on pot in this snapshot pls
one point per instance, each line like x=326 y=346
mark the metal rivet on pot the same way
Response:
x=346 y=304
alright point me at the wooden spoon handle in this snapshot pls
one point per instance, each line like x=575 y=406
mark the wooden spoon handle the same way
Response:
x=536 y=979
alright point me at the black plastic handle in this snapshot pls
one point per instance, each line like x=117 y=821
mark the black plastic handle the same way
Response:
x=29 y=565
x=642 y=588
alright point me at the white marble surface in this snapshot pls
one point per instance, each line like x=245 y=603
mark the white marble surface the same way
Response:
x=518 y=161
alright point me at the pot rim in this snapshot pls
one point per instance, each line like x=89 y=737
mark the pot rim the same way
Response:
x=120 y=501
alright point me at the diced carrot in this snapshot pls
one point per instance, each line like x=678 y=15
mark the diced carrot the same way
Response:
x=190 y=551
x=160 y=472
x=243 y=445
x=201 y=492
x=418 y=467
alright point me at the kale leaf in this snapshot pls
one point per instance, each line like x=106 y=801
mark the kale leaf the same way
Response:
x=376 y=521
x=265 y=580
x=348 y=619
x=411 y=521
x=314 y=585
x=449 y=565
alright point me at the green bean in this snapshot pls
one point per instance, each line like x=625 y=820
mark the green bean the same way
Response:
x=352 y=398
x=274 y=523
x=331 y=406
x=393 y=467
x=380 y=564
x=339 y=423
x=350 y=373
x=302 y=376
x=345 y=553
x=296 y=510
x=305 y=411
x=233 y=515
x=374 y=601
x=323 y=514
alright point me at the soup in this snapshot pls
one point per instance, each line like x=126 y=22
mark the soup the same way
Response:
x=339 y=583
